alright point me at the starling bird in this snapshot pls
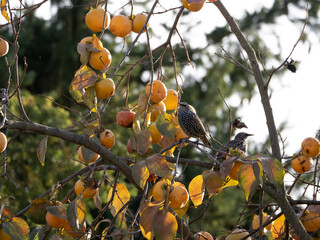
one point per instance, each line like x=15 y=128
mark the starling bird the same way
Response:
x=191 y=123
x=239 y=142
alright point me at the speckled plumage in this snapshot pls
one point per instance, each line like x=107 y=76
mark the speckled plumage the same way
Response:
x=239 y=142
x=190 y=123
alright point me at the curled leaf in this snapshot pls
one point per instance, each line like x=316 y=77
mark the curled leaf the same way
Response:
x=42 y=149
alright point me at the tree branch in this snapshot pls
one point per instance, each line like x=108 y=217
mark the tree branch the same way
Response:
x=273 y=135
x=106 y=155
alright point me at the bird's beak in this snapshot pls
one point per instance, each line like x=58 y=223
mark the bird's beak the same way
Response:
x=249 y=134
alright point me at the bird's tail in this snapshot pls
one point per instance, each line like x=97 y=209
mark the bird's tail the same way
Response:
x=205 y=140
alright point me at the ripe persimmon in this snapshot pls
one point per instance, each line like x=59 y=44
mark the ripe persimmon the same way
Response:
x=82 y=158
x=156 y=109
x=100 y=60
x=89 y=188
x=138 y=22
x=125 y=118
x=120 y=26
x=54 y=221
x=107 y=138
x=4 y=47
x=94 y=19
x=158 y=93
x=155 y=134
x=4 y=235
x=310 y=147
x=256 y=222
x=159 y=190
x=311 y=221
x=302 y=164
x=3 y=142
x=74 y=232
x=104 y=88
x=178 y=197
x=193 y=5
x=179 y=134
x=203 y=236
x=172 y=99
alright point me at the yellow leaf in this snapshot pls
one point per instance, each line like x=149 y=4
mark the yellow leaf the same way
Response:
x=196 y=190
x=278 y=227
x=4 y=10
x=121 y=197
x=84 y=77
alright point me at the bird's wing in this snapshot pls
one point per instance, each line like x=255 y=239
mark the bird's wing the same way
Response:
x=200 y=130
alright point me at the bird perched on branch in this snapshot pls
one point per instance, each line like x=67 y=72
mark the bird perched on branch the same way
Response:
x=190 y=123
x=239 y=142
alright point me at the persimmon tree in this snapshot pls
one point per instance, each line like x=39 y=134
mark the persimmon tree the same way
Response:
x=145 y=196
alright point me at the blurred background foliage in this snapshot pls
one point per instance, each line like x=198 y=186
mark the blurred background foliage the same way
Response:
x=50 y=51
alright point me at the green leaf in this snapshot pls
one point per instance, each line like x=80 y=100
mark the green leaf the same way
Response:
x=89 y=98
x=76 y=213
x=17 y=228
x=37 y=211
x=250 y=176
x=140 y=173
x=42 y=149
x=59 y=211
x=141 y=142
x=165 y=125
x=76 y=94
x=274 y=170
x=39 y=233
x=87 y=154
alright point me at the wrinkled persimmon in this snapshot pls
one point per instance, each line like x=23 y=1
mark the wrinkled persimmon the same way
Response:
x=107 y=138
x=302 y=164
x=125 y=118
x=310 y=147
